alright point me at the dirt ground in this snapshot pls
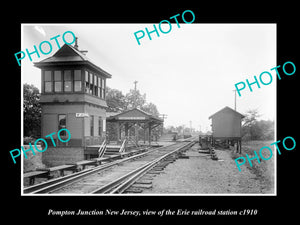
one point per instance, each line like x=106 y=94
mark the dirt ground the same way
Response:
x=199 y=174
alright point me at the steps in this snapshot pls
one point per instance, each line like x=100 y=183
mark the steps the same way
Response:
x=112 y=150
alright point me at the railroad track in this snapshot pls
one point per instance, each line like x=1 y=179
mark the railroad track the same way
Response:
x=113 y=177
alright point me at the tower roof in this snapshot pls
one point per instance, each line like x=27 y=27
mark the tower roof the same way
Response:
x=69 y=55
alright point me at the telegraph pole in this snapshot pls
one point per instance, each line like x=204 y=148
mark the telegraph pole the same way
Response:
x=135 y=82
x=135 y=95
x=163 y=117
x=234 y=99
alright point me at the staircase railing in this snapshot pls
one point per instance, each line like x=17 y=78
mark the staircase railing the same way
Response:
x=102 y=148
x=123 y=146
x=133 y=140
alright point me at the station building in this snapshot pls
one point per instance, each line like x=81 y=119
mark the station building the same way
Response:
x=72 y=97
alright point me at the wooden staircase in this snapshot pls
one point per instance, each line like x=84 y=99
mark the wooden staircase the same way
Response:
x=112 y=150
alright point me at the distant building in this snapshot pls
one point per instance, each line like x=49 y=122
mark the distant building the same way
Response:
x=72 y=97
x=227 y=125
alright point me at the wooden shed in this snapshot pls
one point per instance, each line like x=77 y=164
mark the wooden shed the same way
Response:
x=227 y=125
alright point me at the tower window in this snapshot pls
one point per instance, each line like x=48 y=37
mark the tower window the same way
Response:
x=57 y=81
x=103 y=88
x=99 y=87
x=92 y=125
x=62 y=124
x=99 y=126
x=77 y=80
x=95 y=86
x=67 y=81
x=91 y=84
x=48 y=81
x=87 y=84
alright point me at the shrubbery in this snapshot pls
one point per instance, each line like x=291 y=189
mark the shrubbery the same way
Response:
x=253 y=129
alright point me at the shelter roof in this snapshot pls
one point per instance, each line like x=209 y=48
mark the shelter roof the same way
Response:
x=135 y=114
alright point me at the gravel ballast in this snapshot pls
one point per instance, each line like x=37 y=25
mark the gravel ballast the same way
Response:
x=199 y=174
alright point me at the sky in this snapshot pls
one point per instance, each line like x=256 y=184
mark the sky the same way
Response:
x=188 y=73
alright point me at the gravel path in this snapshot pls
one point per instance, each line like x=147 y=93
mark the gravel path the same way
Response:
x=201 y=175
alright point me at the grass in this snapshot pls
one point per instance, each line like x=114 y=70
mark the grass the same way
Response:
x=264 y=170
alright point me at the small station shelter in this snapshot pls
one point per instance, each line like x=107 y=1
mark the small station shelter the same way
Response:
x=135 y=118
x=72 y=97
x=227 y=126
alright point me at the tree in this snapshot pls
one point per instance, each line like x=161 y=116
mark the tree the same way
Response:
x=180 y=129
x=249 y=131
x=32 y=111
x=267 y=126
x=150 y=108
x=255 y=129
x=169 y=129
x=134 y=99
x=115 y=100
x=250 y=117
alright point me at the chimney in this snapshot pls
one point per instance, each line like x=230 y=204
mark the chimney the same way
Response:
x=76 y=43
x=76 y=47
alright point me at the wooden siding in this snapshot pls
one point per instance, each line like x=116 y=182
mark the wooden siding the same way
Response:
x=226 y=124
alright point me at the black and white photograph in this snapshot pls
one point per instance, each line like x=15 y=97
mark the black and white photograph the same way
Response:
x=178 y=114
x=134 y=114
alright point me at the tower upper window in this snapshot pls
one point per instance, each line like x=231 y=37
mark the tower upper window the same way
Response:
x=48 y=81
x=57 y=81
x=87 y=84
x=91 y=84
x=77 y=80
x=67 y=81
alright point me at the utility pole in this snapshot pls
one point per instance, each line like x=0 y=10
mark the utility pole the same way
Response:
x=135 y=95
x=135 y=82
x=234 y=99
x=163 y=117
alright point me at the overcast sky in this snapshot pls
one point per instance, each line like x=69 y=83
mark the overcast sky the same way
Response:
x=189 y=73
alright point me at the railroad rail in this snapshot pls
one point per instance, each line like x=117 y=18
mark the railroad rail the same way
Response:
x=113 y=177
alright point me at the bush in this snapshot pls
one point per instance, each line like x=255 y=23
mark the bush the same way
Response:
x=259 y=130
x=27 y=140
